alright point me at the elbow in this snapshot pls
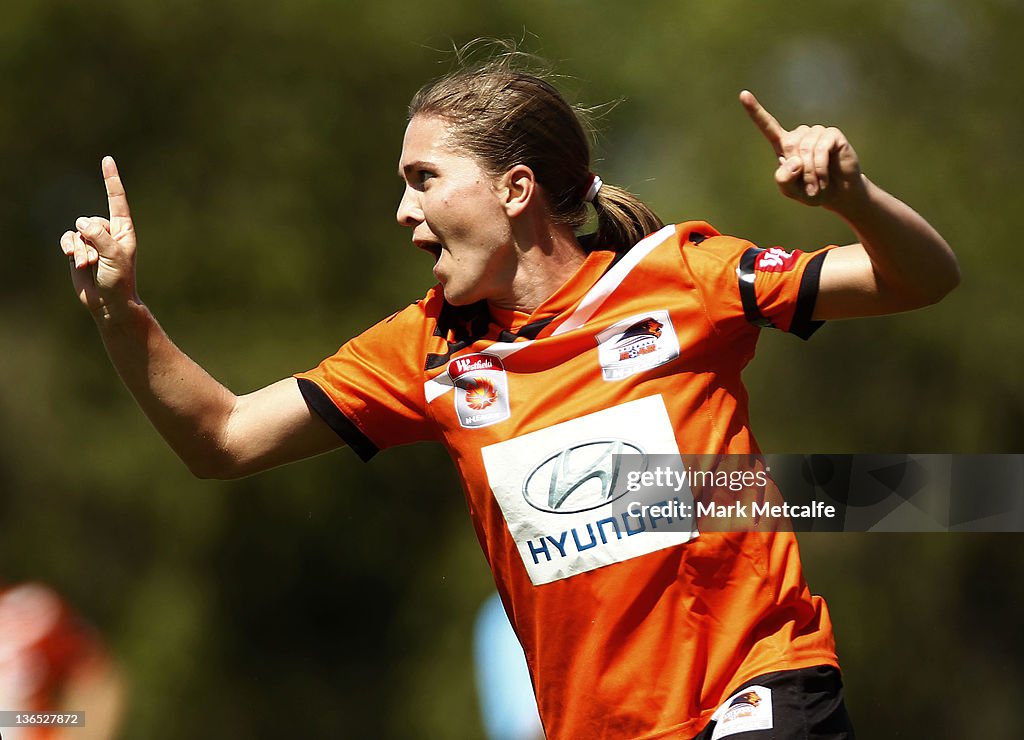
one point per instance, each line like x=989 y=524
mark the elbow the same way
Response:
x=204 y=473
x=926 y=290
x=211 y=455
x=219 y=472
x=205 y=470
x=954 y=278
x=944 y=284
x=214 y=466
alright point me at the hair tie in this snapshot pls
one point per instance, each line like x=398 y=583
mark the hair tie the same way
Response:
x=595 y=186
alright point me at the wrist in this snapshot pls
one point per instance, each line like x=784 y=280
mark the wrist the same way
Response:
x=854 y=200
x=117 y=314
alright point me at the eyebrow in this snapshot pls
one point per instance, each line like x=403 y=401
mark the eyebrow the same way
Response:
x=415 y=165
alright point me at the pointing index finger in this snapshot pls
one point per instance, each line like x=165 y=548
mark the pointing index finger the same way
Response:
x=764 y=120
x=116 y=198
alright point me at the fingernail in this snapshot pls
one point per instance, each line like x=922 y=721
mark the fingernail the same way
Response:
x=82 y=224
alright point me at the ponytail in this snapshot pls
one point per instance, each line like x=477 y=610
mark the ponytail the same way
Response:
x=622 y=220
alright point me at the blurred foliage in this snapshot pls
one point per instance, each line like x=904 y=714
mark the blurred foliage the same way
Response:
x=258 y=144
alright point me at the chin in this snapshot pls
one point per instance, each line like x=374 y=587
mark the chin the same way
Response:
x=459 y=297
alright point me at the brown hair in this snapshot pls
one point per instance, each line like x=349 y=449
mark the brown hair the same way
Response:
x=504 y=115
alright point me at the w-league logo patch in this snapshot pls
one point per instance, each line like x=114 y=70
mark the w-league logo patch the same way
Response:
x=776 y=259
x=637 y=344
x=481 y=390
x=747 y=709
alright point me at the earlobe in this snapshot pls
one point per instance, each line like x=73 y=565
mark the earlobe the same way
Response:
x=520 y=185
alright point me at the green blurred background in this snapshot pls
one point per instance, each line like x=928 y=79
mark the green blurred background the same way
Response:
x=258 y=142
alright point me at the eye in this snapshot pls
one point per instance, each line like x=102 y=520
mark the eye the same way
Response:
x=423 y=175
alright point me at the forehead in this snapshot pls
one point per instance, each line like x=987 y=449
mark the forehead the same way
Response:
x=426 y=132
x=428 y=139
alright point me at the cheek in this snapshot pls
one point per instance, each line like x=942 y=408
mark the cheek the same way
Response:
x=470 y=212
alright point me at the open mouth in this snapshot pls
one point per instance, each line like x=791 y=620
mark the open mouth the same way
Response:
x=432 y=247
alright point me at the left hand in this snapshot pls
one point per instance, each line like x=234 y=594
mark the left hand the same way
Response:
x=817 y=165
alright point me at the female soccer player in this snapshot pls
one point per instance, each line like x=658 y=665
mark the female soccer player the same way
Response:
x=541 y=355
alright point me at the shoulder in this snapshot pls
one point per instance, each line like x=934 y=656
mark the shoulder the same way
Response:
x=423 y=310
x=698 y=244
x=701 y=238
x=693 y=233
x=689 y=235
x=410 y=324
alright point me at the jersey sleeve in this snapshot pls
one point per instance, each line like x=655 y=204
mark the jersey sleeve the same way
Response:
x=370 y=392
x=766 y=288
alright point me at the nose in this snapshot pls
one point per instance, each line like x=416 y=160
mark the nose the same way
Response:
x=409 y=212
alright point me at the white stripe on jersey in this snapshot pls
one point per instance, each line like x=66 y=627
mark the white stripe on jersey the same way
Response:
x=611 y=280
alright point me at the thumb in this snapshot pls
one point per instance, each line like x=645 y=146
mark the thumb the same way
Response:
x=95 y=232
x=789 y=170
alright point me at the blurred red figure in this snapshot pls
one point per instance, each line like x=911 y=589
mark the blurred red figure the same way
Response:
x=51 y=661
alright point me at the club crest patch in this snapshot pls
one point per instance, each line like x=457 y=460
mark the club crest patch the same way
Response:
x=747 y=709
x=481 y=390
x=637 y=344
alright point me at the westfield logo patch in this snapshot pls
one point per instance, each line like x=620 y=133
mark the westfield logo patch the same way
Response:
x=481 y=390
x=637 y=344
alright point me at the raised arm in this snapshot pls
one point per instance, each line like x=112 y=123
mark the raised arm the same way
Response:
x=900 y=263
x=216 y=433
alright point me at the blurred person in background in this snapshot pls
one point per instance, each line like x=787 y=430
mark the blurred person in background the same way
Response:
x=540 y=341
x=51 y=661
x=507 y=704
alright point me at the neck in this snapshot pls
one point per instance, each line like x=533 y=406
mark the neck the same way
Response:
x=547 y=258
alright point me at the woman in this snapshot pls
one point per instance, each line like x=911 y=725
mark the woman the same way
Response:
x=539 y=357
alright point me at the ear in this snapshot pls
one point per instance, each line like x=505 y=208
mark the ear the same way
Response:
x=520 y=186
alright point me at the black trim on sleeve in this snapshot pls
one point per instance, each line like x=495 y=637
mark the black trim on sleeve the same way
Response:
x=745 y=274
x=317 y=400
x=803 y=326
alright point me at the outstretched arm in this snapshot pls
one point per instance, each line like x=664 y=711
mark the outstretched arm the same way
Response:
x=900 y=263
x=216 y=433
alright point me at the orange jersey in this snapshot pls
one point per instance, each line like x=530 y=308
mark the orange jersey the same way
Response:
x=628 y=632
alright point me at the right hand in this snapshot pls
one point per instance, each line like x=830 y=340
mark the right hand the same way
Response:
x=102 y=251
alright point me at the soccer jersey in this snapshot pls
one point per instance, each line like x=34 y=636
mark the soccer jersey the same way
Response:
x=630 y=631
